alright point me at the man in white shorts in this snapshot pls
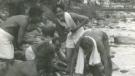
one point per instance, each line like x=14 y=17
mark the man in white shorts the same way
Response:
x=73 y=22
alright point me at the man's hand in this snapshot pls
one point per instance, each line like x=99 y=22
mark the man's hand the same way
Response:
x=61 y=23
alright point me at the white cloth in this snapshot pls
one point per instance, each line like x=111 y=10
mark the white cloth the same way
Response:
x=29 y=53
x=79 y=69
x=85 y=1
x=6 y=46
x=69 y=21
x=95 y=56
x=93 y=60
x=72 y=38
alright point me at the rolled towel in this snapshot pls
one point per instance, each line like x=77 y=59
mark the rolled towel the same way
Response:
x=95 y=56
x=79 y=69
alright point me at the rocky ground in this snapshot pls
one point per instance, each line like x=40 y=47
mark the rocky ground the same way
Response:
x=124 y=59
x=124 y=52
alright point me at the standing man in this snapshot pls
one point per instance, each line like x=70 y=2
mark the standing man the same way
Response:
x=14 y=28
x=74 y=24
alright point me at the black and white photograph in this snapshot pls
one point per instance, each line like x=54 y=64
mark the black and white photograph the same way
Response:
x=67 y=37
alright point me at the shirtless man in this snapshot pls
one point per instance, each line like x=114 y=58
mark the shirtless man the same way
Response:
x=73 y=23
x=86 y=42
x=14 y=28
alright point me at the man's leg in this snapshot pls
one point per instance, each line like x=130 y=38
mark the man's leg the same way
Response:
x=106 y=51
x=106 y=61
x=3 y=68
x=69 y=53
x=69 y=59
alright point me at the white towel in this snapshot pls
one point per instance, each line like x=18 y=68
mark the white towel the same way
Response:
x=6 y=46
x=80 y=62
x=95 y=56
x=93 y=60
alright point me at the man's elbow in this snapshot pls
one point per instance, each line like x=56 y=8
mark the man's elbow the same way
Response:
x=19 y=42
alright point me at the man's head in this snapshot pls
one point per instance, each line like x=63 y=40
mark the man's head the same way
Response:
x=86 y=44
x=46 y=50
x=59 y=10
x=48 y=29
x=35 y=14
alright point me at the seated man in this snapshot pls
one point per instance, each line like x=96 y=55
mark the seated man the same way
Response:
x=93 y=49
x=45 y=60
x=31 y=40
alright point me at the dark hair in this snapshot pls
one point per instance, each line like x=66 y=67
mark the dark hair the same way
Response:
x=58 y=6
x=35 y=11
x=85 y=41
x=48 y=32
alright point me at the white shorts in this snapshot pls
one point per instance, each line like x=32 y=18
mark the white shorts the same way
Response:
x=6 y=46
x=72 y=38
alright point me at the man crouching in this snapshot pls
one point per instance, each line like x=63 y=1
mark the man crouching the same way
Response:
x=45 y=60
x=92 y=55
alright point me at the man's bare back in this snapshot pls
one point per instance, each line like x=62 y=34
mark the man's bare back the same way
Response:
x=14 y=23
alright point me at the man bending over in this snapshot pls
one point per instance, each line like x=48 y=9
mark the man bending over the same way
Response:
x=14 y=28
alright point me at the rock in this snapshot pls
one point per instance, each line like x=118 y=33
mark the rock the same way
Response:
x=124 y=40
x=123 y=71
x=112 y=56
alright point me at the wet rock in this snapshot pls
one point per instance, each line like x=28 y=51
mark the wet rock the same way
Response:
x=124 y=71
x=124 y=40
x=112 y=56
x=133 y=19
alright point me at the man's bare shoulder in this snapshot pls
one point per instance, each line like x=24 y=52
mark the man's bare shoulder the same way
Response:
x=16 y=17
x=78 y=16
x=19 y=19
x=94 y=32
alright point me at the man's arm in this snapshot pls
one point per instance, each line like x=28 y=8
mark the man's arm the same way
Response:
x=104 y=59
x=81 y=18
x=21 y=34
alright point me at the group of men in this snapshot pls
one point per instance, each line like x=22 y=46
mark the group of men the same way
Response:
x=86 y=52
